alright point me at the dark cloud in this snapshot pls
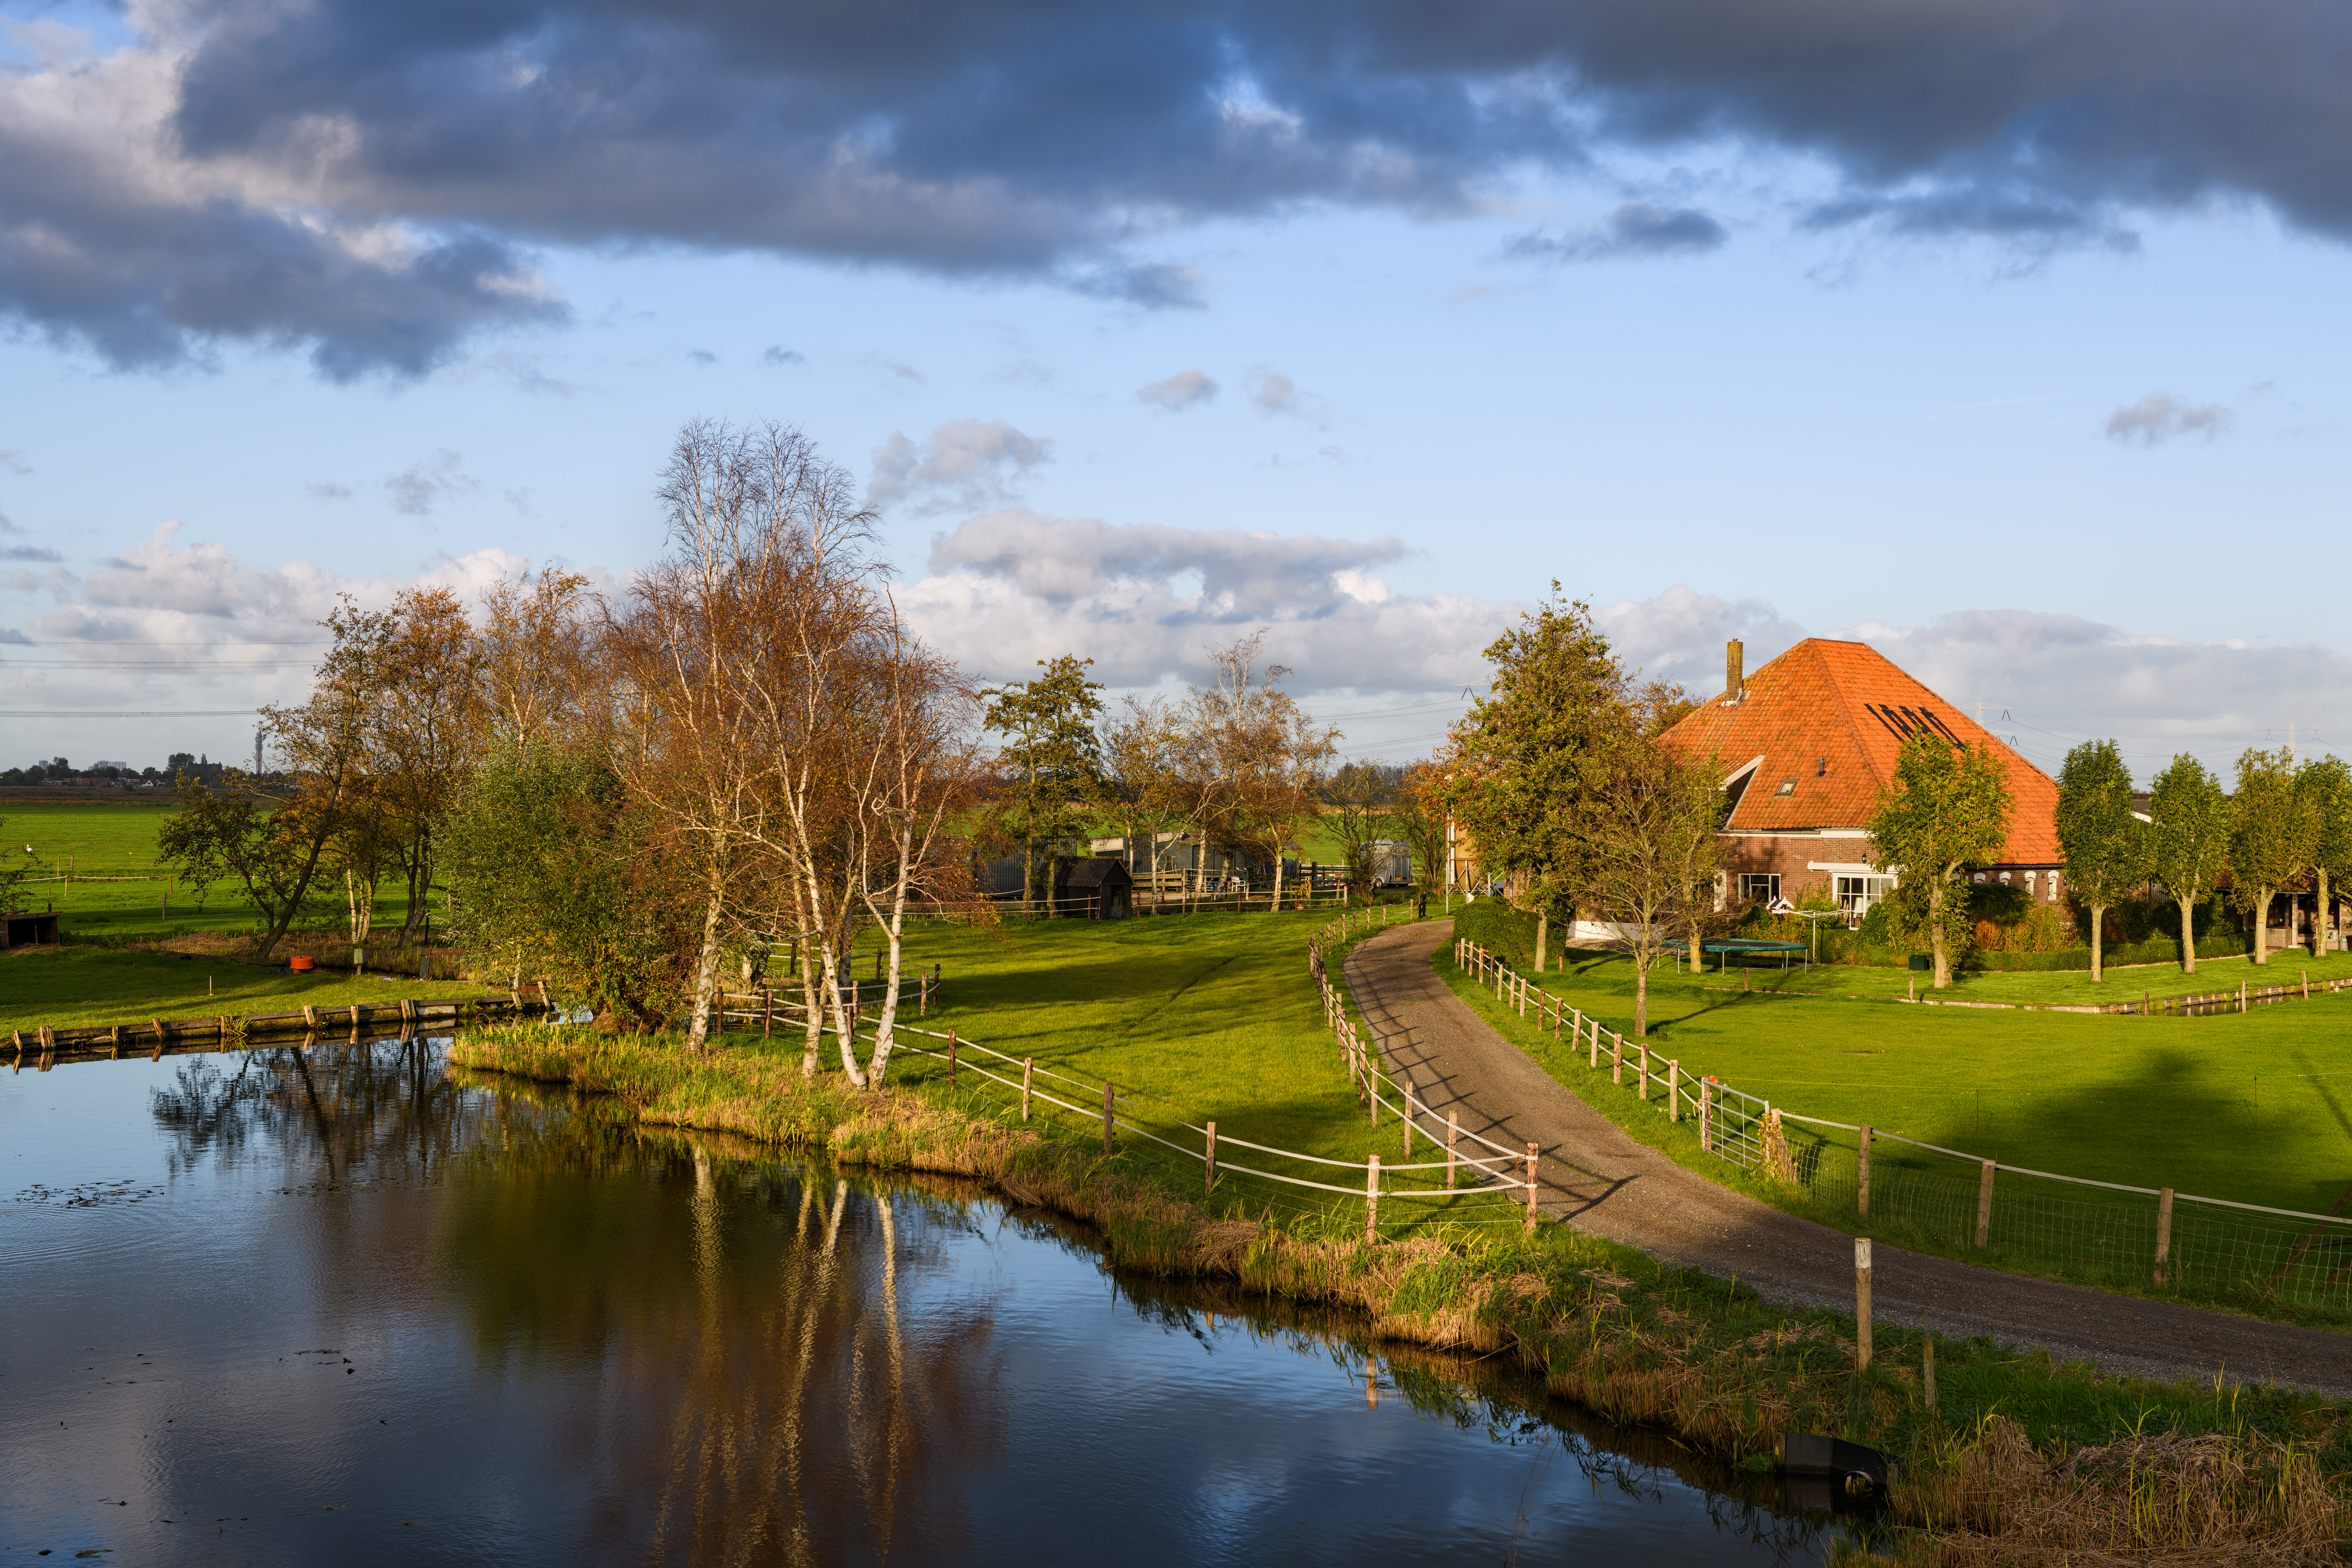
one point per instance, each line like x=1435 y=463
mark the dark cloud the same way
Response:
x=364 y=181
x=28 y=553
x=1637 y=229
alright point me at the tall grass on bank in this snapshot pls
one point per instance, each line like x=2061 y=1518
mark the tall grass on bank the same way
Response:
x=2025 y=1460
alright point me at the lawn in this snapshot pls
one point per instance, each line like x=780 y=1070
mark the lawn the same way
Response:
x=2254 y=1107
x=116 y=888
x=73 y=986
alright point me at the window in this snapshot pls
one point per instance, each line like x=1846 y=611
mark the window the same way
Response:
x=1788 y=786
x=1855 y=895
x=1760 y=886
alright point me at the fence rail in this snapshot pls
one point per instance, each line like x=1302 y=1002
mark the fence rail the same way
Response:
x=2102 y=1233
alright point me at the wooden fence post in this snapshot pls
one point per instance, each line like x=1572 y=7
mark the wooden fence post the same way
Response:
x=1028 y=1066
x=767 y=1012
x=1107 y=1099
x=1594 y=1062
x=1531 y=1187
x=1453 y=1134
x=1861 y=1303
x=1674 y=1089
x=1371 y=1199
x=1706 y=1115
x=1616 y=1058
x=952 y=1059
x=1209 y=1166
x=2163 y=1233
x=1984 y=1205
x=1927 y=1371
x=1642 y=1092
x=1862 y=1173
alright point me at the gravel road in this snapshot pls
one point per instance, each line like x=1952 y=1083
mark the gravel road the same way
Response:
x=1596 y=1177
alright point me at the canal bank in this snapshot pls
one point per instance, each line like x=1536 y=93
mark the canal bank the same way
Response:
x=2020 y=1454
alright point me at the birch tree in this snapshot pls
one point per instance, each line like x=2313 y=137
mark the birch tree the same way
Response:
x=1949 y=809
x=2192 y=815
x=1259 y=758
x=2105 y=845
x=1654 y=851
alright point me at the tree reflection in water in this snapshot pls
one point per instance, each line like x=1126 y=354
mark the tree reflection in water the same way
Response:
x=385 y=1107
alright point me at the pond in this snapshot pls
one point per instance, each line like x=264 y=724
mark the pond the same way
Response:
x=350 y=1304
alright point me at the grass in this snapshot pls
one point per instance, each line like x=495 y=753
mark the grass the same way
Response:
x=2256 y=1108
x=73 y=986
x=118 y=888
x=2019 y=1458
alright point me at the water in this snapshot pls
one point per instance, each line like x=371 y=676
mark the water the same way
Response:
x=278 y=1307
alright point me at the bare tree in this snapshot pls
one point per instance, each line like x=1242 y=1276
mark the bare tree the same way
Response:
x=1142 y=754
x=1257 y=757
x=1653 y=852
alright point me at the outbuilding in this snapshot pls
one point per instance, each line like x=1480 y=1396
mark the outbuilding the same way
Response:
x=1098 y=888
x=25 y=929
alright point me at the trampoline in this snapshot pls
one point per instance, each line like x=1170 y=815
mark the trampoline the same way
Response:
x=1746 y=948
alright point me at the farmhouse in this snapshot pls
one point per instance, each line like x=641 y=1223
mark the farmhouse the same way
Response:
x=1808 y=746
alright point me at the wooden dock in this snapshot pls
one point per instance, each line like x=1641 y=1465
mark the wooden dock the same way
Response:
x=156 y=1038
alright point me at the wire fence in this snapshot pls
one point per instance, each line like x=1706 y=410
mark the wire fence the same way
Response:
x=2137 y=1238
x=1460 y=1176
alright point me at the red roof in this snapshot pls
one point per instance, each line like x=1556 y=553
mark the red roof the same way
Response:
x=1828 y=719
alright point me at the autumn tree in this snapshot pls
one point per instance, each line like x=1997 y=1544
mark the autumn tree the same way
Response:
x=1052 y=760
x=1142 y=752
x=425 y=732
x=1359 y=805
x=2273 y=832
x=2190 y=834
x=1421 y=814
x=1653 y=850
x=1529 y=761
x=1949 y=809
x=1256 y=757
x=2105 y=845
x=2327 y=783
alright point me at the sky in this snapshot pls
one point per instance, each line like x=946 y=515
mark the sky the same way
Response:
x=2005 y=336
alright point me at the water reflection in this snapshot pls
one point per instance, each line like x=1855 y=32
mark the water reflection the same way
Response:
x=565 y=1336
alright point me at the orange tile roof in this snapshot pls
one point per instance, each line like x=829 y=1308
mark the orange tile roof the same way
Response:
x=1828 y=719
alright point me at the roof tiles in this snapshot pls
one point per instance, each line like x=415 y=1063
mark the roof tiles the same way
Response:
x=1823 y=723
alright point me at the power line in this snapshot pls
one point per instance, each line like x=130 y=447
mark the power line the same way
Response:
x=93 y=713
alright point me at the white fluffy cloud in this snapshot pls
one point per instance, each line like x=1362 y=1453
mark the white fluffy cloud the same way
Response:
x=1147 y=602
x=965 y=464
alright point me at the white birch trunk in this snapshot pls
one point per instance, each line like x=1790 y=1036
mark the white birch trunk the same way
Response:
x=706 y=963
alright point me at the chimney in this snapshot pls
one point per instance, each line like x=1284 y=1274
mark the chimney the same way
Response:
x=1734 y=676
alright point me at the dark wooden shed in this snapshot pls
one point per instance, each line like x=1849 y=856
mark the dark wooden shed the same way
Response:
x=24 y=929
x=1097 y=889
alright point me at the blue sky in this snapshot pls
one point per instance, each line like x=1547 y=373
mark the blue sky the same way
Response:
x=2047 y=400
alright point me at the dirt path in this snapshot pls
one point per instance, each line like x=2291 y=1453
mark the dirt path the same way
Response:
x=1598 y=1178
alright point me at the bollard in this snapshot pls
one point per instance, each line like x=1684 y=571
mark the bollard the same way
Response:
x=1984 y=1205
x=1531 y=1187
x=1371 y=1199
x=1861 y=1303
x=1028 y=1066
x=1862 y=1173
x=1209 y=1166
x=2163 y=1232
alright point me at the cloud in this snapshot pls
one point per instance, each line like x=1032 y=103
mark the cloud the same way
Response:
x=964 y=462
x=702 y=356
x=369 y=185
x=777 y=354
x=421 y=486
x=1179 y=391
x=1637 y=230
x=28 y=553
x=328 y=490
x=1272 y=393
x=2159 y=416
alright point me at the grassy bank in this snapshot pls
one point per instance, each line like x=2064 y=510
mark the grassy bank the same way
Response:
x=2021 y=1459
x=2245 y=1107
x=74 y=986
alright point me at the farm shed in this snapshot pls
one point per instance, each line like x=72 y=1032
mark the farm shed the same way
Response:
x=1095 y=889
x=24 y=929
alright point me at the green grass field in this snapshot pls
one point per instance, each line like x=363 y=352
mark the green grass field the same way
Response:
x=2255 y=1108
x=78 y=987
x=107 y=849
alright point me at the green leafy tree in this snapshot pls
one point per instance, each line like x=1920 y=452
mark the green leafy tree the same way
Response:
x=268 y=848
x=14 y=870
x=1530 y=758
x=1053 y=759
x=2326 y=782
x=2274 y=834
x=1949 y=809
x=2107 y=847
x=2191 y=839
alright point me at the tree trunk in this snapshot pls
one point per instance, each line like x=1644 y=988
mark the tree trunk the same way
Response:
x=2188 y=934
x=1543 y=934
x=301 y=885
x=706 y=963
x=2319 y=913
x=2263 y=925
x=841 y=1025
x=1641 y=997
x=1698 y=956
x=894 y=931
x=812 y=1006
x=1936 y=895
x=2098 y=917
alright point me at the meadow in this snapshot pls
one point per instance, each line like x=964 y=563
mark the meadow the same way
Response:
x=2251 y=1107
